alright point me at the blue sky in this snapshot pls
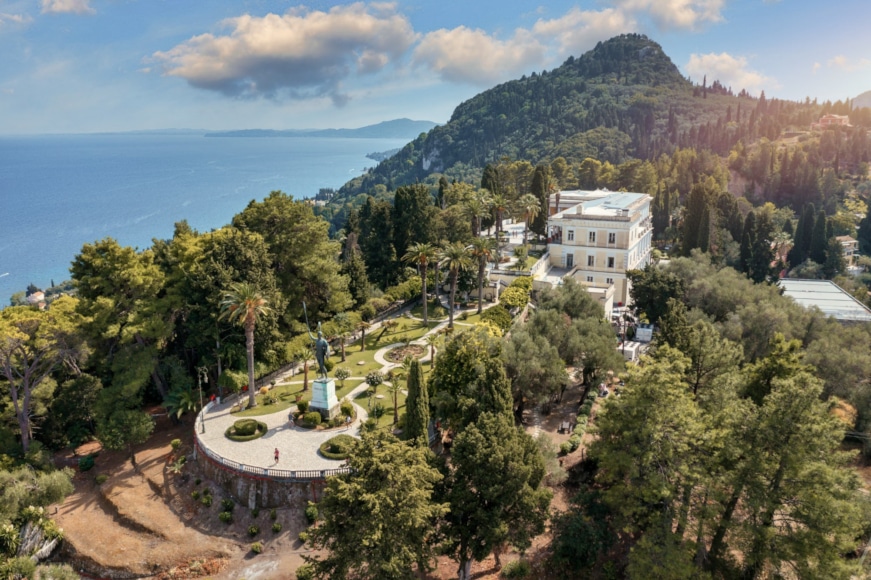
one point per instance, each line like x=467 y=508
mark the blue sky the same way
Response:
x=114 y=65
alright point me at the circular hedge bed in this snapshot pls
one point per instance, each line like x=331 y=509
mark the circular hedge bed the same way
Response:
x=246 y=430
x=338 y=447
x=399 y=353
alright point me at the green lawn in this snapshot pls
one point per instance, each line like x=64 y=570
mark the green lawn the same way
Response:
x=285 y=392
x=417 y=311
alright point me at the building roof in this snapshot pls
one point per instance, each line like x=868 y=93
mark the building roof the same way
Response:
x=830 y=298
x=603 y=204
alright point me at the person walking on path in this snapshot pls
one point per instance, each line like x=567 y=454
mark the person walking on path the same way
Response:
x=276 y=455
x=347 y=422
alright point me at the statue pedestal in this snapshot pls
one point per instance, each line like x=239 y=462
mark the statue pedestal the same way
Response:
x=324 y=398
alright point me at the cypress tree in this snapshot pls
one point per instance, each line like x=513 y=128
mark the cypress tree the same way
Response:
x=747 y=243
x=819 y=240
x=761 y=252
x=835 y=262
x=539 y=188
x=864 y=233
x=705 y=230
x=417 y=406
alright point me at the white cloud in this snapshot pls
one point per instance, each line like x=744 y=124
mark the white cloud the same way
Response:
x=579 y=30
x=67 y=7
x=299 y=54
x=676 y=14
x=729 y=70
x=817 y=66
x=844 y=63
x=6 y=18
x=473 y=56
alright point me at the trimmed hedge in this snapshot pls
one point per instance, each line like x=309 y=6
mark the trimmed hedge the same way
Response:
x=311 y=419
x=498 y=315
x=232 y=432
x=338 y=447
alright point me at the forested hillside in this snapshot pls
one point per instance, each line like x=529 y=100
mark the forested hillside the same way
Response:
x=623 y=99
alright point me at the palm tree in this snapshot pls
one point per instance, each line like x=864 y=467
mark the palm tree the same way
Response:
x=243 y=304
x=432 y=339
x=482 y=250
x=303 y=354
x=530 y=206
x=362 y=326
x=421 y=255
x=343 y=324
x=454 y=257
x=478 y=207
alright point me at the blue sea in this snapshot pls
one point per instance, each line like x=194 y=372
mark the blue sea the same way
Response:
x=58 y=192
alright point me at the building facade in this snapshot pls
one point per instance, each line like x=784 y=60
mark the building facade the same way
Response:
x=598 y=235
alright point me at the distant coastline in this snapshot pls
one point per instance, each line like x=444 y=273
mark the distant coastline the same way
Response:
x=395 y=129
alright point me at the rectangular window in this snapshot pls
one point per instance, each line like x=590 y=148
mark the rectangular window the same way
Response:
x=609 y=280
x=612 y=238
x=590 y=279
x=570 y=260
x=571 y=236
x=592 y=237
x=591 y=261
x=610 y=262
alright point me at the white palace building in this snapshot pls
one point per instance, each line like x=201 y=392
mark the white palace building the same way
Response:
x=596 y=236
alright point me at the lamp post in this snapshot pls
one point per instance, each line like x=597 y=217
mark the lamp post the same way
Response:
x=202 y=377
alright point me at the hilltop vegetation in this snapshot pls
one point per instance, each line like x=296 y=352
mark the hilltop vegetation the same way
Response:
x=623 y=99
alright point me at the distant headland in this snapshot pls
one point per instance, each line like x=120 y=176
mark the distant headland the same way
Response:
x=395 y=129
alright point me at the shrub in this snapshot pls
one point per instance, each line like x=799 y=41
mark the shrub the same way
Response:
x=269 y=400
x=258 y=430
x=255 y=512
x=311 y=419
x=378 y=410
x=276 y=528
x=195 y=494
x=374 y=379
x=175 y=444
x=253 y=531
x=338 y=447
x=273 y=515
x=367 y=312
x=227 y=505
x=257 y=547
x=575 y=441
x=514 y=297
x=305 y=572
x=198 y=481
x=516 y=569
x=342 y=374
x=245 y=427
x=565 y=448
x=370 y=425
x=206 y=500
x=524 y=282
x=347 y=409
x=329 y=365
x=225 y=517
x=207 y=491
x=336 y=421
x=101 y=479
x=311 y=512
x=303 y=536
x=86 y=462
x=302 y=406
x=438 y=311
x=498 y=316
x=263 y=390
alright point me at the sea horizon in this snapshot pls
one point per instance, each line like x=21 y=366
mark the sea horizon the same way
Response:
x=61 y=191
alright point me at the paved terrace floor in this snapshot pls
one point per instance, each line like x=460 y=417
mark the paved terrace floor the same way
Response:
x=297 y=447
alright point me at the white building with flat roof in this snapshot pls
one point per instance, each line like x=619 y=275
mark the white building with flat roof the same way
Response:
x=830 y=298
x=598 y=235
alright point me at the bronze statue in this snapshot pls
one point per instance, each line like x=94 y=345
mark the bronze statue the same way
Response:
x=320 y=345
